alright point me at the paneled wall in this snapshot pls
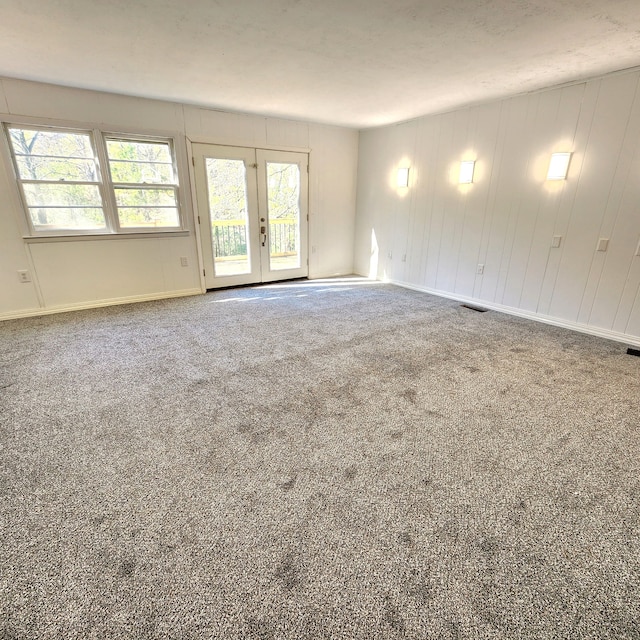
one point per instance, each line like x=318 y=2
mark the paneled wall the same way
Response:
x=85 y=272
x=434 y=234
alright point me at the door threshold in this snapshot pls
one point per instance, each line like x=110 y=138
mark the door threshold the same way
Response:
x=255 y=285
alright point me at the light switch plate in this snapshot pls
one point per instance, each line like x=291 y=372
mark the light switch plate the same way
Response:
x=603 y=244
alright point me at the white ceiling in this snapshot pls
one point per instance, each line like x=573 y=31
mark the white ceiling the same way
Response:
x=357 y=63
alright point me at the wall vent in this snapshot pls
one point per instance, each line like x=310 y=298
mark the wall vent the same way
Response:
x=633 y=352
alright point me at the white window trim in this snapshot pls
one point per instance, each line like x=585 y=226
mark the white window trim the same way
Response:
x=98 y=139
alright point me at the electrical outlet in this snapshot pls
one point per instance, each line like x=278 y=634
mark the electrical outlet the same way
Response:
x=404 y=257
x=184 y=261
x=555 y=242
x=24 y=276
x=480 y=269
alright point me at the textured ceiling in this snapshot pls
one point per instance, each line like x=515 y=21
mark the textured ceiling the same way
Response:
x=358 y=63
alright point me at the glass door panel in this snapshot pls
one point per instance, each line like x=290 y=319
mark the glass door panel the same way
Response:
x=226 y=194
x=283 y=205
x=228 y=213
x=282 y=200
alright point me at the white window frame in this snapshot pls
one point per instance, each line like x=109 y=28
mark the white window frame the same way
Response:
x=106 y=136
x=105 y=183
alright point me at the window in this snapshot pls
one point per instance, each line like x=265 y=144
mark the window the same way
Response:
x=144 y=183
x=65 y=190
x=60 y=180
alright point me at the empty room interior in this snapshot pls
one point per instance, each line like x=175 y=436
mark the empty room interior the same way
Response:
x=320 y=320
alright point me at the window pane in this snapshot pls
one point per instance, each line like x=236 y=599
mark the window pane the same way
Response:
x=51 y=143
x=148 y=217
x=67 y=218
x=31 y=168
x=139 y=150
x=145 y=197
x=141 y=162
x=137 y=162
x=133 y=172
x=227 y=183
x=62 y=195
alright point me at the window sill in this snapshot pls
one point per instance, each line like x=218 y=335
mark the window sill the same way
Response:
x=105 y=236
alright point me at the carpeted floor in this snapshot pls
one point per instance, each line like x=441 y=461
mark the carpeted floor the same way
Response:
x=316 y=460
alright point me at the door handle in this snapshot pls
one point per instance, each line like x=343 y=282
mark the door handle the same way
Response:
x=263 y=231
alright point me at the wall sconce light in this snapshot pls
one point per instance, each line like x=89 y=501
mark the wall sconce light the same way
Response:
x=403 y=177
x=466 y=171
x=558 y=166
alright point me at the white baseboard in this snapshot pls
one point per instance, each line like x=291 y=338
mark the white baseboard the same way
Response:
x=94 y=304
x=530 y=315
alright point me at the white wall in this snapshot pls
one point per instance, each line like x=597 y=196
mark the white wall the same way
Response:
x=433 y=235
x=88 y=272
x=333 y=164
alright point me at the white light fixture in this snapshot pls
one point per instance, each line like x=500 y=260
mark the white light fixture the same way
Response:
x=403 y=177
x=558 y=166
x=466 y=171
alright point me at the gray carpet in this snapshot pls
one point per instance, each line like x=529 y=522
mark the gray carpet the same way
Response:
x=316 y=460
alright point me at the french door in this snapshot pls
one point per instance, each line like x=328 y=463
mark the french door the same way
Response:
x=252 y=206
